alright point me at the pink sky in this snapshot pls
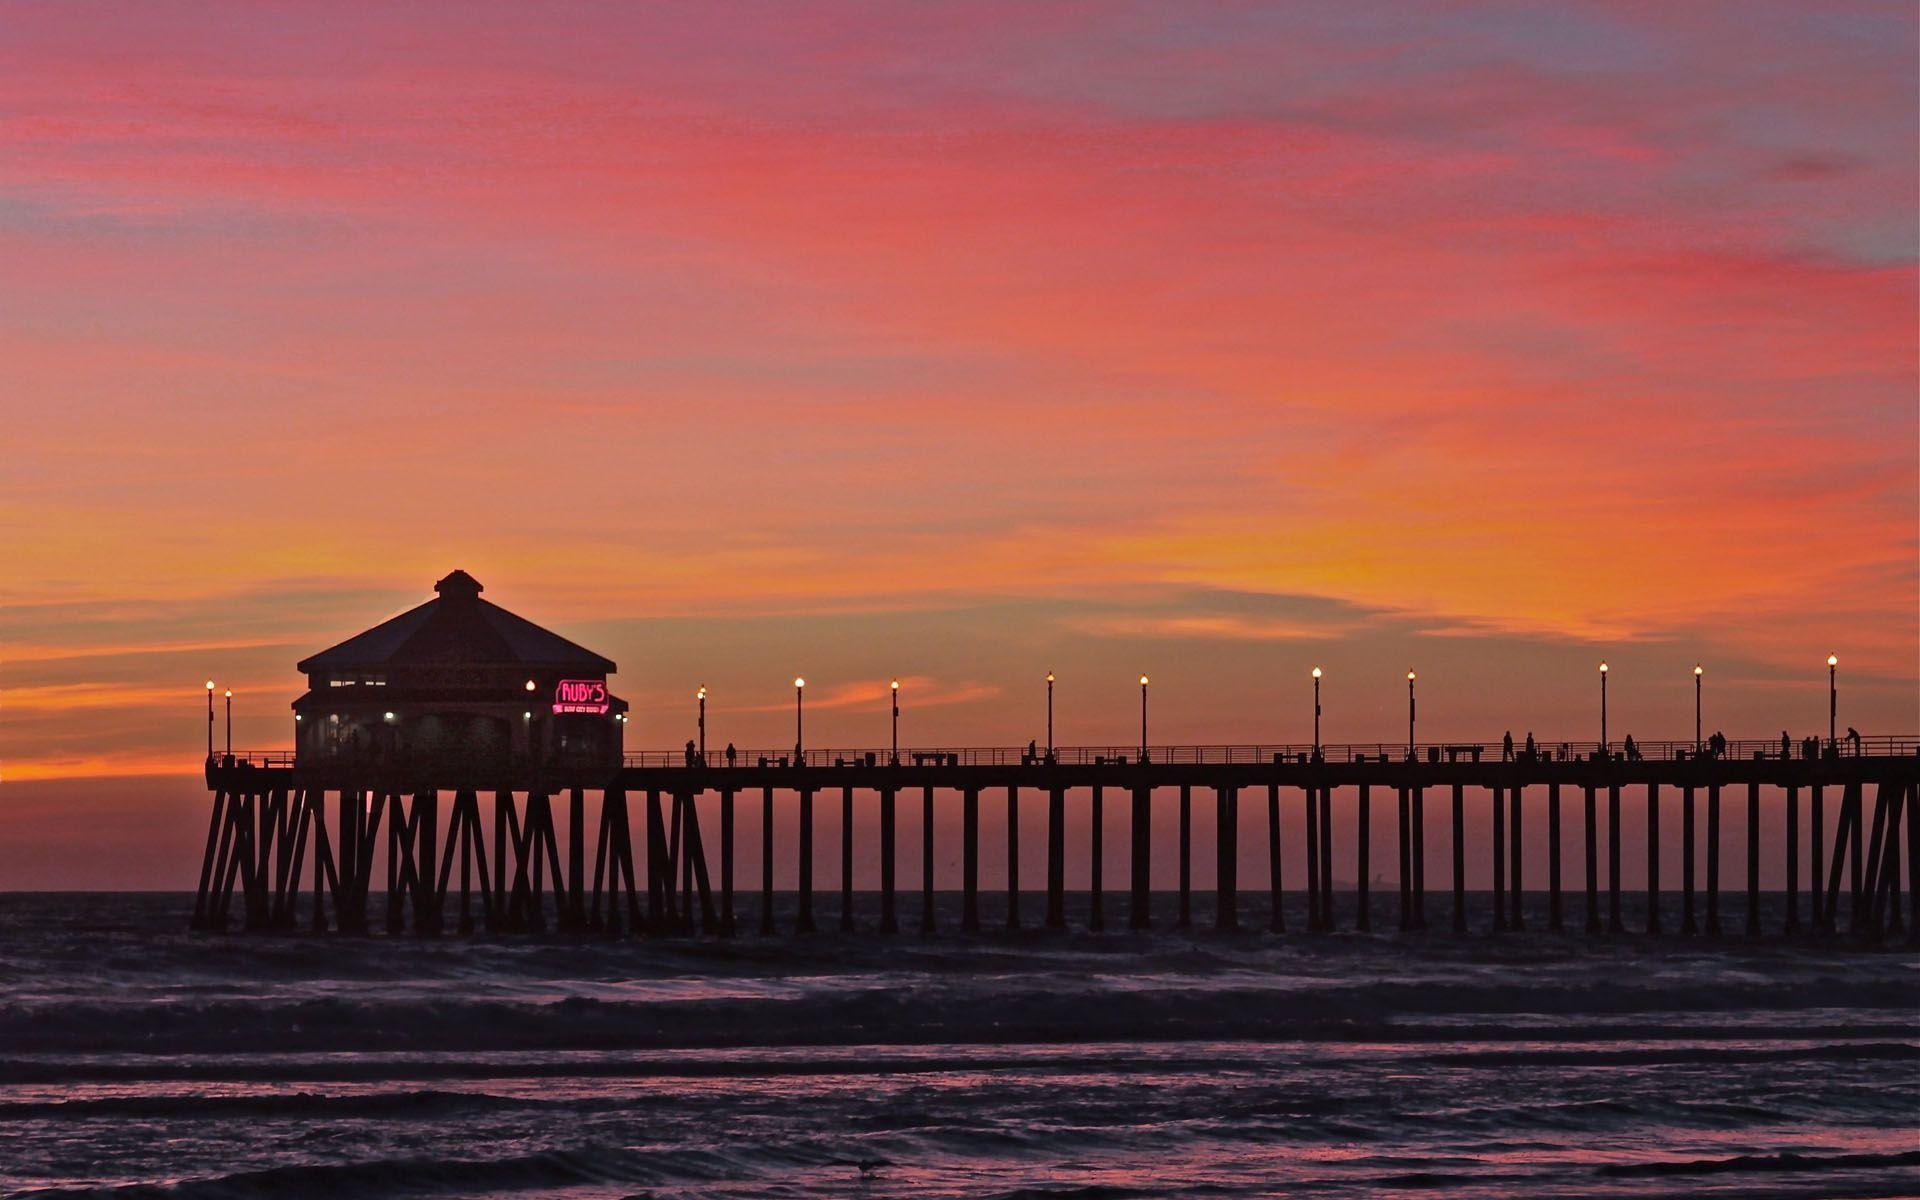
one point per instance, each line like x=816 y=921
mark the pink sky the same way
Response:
x=958 y=344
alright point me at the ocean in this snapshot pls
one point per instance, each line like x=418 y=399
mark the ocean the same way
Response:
x=137 y=1060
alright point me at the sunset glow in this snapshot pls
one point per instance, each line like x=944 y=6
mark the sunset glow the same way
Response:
x=1223 y=342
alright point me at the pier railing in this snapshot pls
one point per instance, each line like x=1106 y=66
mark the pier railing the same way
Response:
x=1877 y=746
x=1874 y=746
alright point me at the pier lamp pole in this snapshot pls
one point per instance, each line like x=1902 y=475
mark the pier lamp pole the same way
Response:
x=209 y=720
x=1410 y=679
x=701 y=696
x=1049 y=714
x=1603 y=710
x=1698 y=671
x=1316 y=712
x=229 y=722
x=799 y=719
x=1143 y=718
x=1833 y=700
x=895 y=687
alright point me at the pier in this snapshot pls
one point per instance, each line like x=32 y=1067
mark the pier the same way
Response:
x=408 y=725
x=293 y=847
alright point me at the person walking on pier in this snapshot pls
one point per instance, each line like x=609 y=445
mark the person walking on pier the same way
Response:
x=731 y=754
x=690 y=752
x=1506 y=747
x=1632 y=751
x=1786 y=747
x=1533 y=749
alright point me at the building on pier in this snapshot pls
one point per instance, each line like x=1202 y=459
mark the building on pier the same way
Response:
x=458 y=688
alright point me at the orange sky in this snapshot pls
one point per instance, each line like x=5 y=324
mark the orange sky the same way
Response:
x=958 y=344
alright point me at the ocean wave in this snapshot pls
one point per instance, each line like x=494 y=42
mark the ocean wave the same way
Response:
x=1786 y=1161
x=526 y=1172
x=421 y=1103
x=986 y=1010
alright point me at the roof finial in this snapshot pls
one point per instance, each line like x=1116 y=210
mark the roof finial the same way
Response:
x=459 y=586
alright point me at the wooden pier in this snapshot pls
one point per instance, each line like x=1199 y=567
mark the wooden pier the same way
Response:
x=295 y=848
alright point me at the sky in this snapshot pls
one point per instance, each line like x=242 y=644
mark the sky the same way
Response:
x=959 y=344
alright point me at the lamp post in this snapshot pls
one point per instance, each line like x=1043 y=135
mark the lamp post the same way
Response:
x=895 y=688
x=1143 y=718
x=1316 y=712
x=209 y=720
x=1410 y=678
x=1698 y=671
x=1049 y=714
x=1603 y=710
x=799 y=719
x=701 y=696
x=1833 y=701
x=229 y=722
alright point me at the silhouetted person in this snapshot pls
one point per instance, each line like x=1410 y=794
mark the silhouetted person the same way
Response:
x=1533 y=751
x=1786 y=747
x=1033 y=751
x=1853 y=740
x=730 y=754
x=690 y=751
x=1506 y=747
x=1633 y=751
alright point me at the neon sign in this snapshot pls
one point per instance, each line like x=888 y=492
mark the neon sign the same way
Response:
x=581 y=696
